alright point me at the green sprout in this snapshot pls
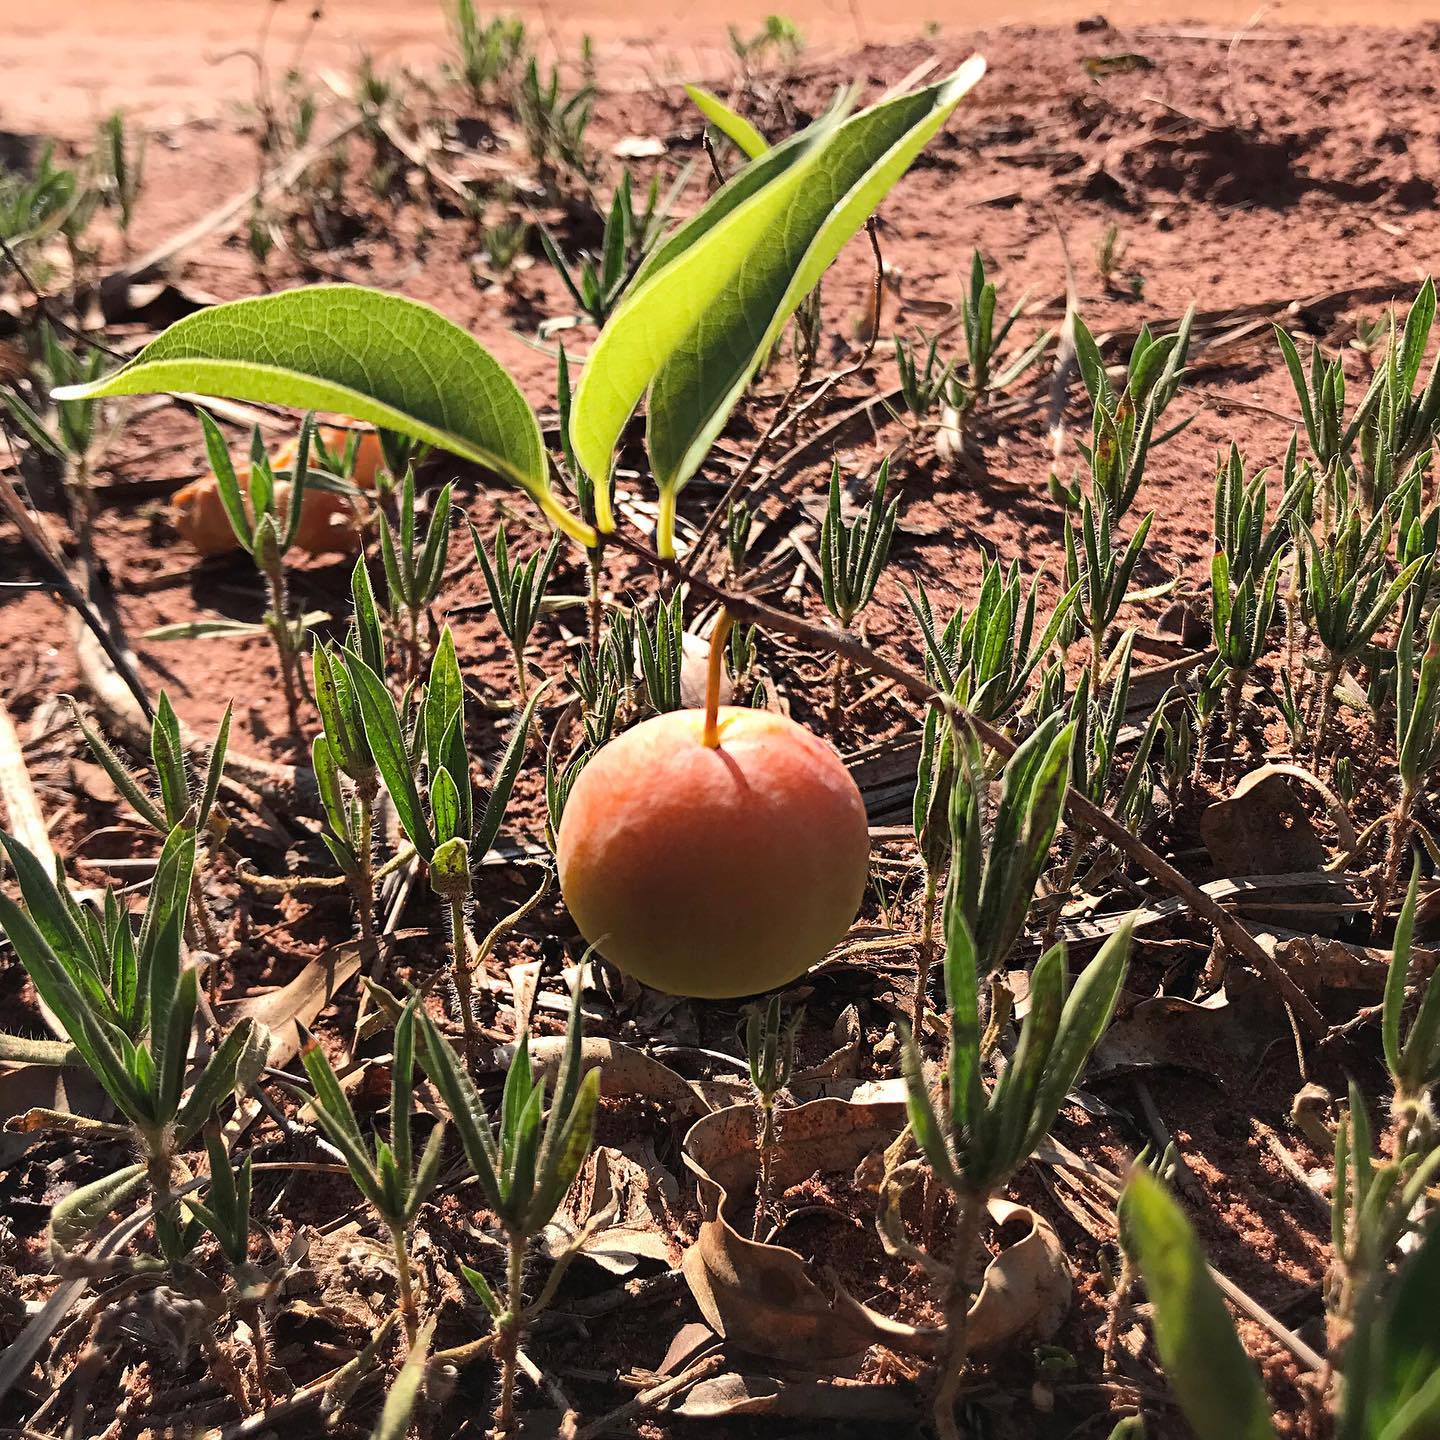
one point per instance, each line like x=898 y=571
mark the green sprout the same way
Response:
x=128 y=1005
x=851 y=558
x=662 y=651
x=1240 y=617
x=70 y=434
x=414 y=569
x=122 y=169
x=266 y=531
x=596 y=284
x=517 y=594
x=444 y=825
x=923 y=383
x=978 y=1136
x=1123 y=424
x=770 y=1054
x=985 y=658
x=1099 y=571
x=525 y=1163
x=176 y=803
x=387 y=1173
x=984 y=375
x=1417 y=736
x=486 y=52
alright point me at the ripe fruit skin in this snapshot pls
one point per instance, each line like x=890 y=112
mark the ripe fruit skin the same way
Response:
x=714 y=872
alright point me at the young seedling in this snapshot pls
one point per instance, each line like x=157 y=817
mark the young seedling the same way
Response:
x=387 y=1174
x=851 y=558
x=1123 y=423
x=555 y=121
x=504 y=243
x=517 y=594
x=986 y=658
x=1240 y=617
x=1096 y=773
x=738 y=520
x=265 y=533
x=444 y=826
x=778 y=35
x=414 y=570
x=994 y=868
x=596 y=284
x=226 y=1215
x=1243 y=527
x=590 y=504
x=36 y=206
x=923 y=383
x=1417 y=737
x=128 y=1005
x=978 y=1136
x=770 y=1053
x=175 y=805
x=1346 y=594
x=662 y=651
x=1402 y=423
x=342 y=749
x=525 y=1164
x=971 y=387
x=1321 y=395
x=1099 y=572
x=70 y=433
x=560 y=778
x=486 y=53
x=121 y=159
x=930 y=817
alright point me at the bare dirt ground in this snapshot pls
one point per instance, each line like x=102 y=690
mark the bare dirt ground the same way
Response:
x=1288 y=176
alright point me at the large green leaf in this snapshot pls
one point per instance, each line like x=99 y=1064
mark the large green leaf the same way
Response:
x=712 y=301
x=359 y=352
x=1212 y=1377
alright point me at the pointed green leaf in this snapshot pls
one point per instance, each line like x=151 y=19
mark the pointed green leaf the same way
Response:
x=712 y=301
x=1207 y=1367
x=359 y=352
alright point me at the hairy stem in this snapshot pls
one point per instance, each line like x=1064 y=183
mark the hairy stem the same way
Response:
x=461 y=966
x=255 y=1319
x=408 y=1311
x=509 y=1336
x=285 y=647
x=1233 y=695
x=595 y=607
x=958 y=1296
x=927 y=952
x=764 y=1145
x=1399 y=838
x=1118 y=1297
x=1327 y=705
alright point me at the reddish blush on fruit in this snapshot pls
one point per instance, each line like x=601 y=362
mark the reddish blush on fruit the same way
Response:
x=714 y=870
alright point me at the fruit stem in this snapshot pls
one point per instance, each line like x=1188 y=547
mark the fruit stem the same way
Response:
x=718 y=636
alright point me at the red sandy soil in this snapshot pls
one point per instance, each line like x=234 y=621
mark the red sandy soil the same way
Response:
x=1284 y=168
x=173 y=60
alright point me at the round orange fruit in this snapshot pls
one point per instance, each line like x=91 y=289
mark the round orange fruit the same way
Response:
x=714 y=871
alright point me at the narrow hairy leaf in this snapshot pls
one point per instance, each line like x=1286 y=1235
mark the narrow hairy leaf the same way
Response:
x=1208 y=1369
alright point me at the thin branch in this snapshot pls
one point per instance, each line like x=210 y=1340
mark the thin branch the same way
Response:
x=1082 y=813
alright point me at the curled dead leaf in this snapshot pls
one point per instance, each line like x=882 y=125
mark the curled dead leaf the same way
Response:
x=770 y=1300
x=1024 y=1295
x=763 y=1298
